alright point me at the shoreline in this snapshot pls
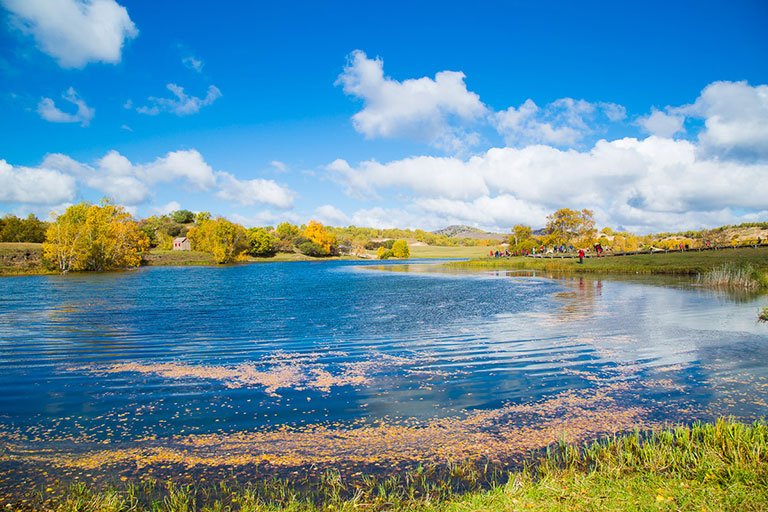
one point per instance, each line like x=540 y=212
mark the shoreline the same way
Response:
x=718 y=465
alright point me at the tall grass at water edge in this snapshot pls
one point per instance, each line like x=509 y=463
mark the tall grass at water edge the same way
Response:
x=729 y=275
x=714 y=466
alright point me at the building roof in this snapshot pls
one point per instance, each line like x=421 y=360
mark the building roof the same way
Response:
x=180 y=239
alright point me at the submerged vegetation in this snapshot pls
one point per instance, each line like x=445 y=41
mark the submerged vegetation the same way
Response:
x=717 y=466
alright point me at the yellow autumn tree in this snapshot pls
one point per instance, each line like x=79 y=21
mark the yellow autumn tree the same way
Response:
x=566 y=225
x=224 y=240
x=316 y=232
x=94 y=237
x=400 y=250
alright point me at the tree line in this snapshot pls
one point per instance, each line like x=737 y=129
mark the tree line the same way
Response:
x=104 y=236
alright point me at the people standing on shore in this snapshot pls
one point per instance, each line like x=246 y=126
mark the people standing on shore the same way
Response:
x=581 y=256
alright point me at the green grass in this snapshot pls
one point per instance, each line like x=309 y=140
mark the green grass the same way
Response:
x=429 y=251
x=160 y=257
x=702 y=467
x=673 y=263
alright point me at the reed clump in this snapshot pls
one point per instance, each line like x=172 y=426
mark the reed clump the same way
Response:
x=704 y=466
x=729 y=275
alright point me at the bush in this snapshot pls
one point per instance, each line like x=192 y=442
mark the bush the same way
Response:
x=311 y=248
x=400 y=249
x=260 y=242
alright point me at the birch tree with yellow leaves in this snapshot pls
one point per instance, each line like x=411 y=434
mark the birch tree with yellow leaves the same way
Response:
x=94 y=237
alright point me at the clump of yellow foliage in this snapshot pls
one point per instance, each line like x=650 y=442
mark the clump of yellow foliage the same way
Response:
x=224 y=240
x=94 y=237
x=316 y=232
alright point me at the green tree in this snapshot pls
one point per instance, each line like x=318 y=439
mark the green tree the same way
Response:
x=260 y=242
x=383 y=253
x=14 y=229
x=286 y=231
x=94 y=237
x=183 y=216
x=400 y=249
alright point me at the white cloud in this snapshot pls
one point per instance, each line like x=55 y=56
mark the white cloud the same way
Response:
x=424 y=109
x=187 y=165
x=330 y=215
x=36 y=185
x=193 y=63
x=181 y=105
x=75 y=32
x=165 y=209
x=114 y=176
x=735 y=119
x=278 y=165
x=48 y=110
x=425 y=175
x=642 y=184
x=662 y=124
x=264 y=218
x=495 y=213
x=564 y=122
x=129 y=183
x=249 y=192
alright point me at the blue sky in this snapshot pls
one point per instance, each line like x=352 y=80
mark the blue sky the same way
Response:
x=409 y=114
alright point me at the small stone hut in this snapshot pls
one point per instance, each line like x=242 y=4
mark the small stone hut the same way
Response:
x=182 y=243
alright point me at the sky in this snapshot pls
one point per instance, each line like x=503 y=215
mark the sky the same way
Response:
x=399 y=114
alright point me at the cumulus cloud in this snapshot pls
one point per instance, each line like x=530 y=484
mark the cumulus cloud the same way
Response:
x=113 y=176
x=48 y=110
x=425 y=175
x=165 y=209
x=735 y=118
x=564 y=122
x=330 y=215
x=424 y=109
x=75 y=32
x=663 y=124
x=264 y=218
x=35 y=185
x=250 y=192
x=642 y=184
x=186 y=165
x=129 y=184
x=181 y=105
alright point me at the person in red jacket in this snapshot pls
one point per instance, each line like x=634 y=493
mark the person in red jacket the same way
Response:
x=581 y=256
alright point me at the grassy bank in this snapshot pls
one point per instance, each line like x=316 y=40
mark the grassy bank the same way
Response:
x=721 y=264
x=22 y=259
x=429 y=251
x=721 y=466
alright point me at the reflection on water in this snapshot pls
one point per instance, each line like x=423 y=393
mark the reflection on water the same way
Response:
x=178 y=372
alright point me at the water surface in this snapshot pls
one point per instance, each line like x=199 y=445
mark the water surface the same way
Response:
x=174 y=372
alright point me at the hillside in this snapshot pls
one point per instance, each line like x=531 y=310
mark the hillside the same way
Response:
x=469 y=232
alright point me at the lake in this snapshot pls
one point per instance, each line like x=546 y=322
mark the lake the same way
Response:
x=187 y=373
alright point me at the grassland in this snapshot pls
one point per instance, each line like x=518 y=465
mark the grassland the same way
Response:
x=431 y=251
x=672 y=263
x=22 y=259
x=702 y=467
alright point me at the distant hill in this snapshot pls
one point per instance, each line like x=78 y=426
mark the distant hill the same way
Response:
x=469 y=232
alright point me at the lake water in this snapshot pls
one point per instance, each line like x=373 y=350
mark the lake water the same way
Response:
x=183 y=372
